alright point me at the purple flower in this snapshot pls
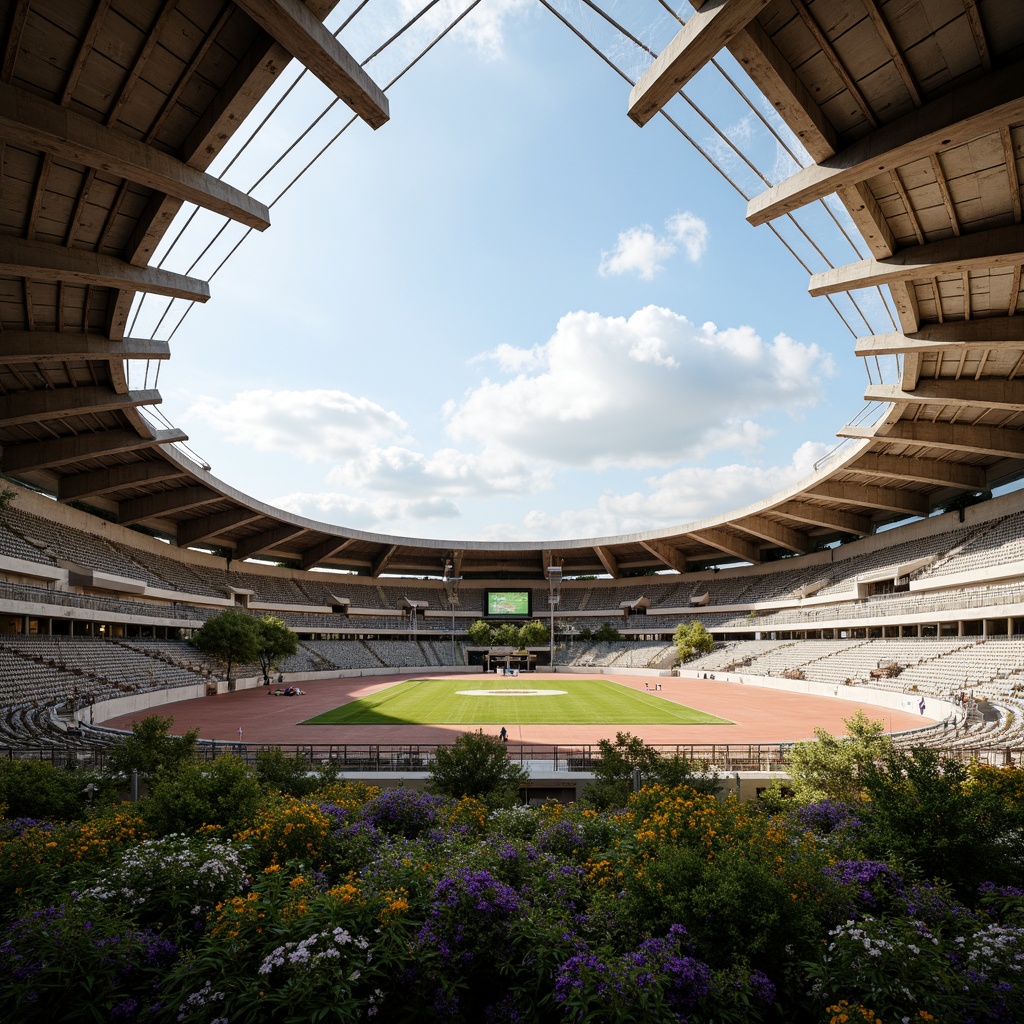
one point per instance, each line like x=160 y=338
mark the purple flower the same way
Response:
x=827 y=816
x=872 y=879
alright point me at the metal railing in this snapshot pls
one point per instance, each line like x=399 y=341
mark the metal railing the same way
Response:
x=541 y=758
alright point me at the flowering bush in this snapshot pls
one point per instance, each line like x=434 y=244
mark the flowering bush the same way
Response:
x=291 y=945
x=900 y=966
x=356 y=904
x=170 y=882
x=403 y=812
x=287 y=828
x=38 y=861
x=59 y=960
x=872 y=883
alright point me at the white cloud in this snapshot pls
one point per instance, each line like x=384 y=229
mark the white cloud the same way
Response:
x=690 y=232
x=675 y=498
x=374 y=514
x=649 y=390
x=313 y=426
x=638 y=250
x=397 y=470
x=485 y=27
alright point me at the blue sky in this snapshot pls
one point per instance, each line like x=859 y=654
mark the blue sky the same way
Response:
x=507 y=314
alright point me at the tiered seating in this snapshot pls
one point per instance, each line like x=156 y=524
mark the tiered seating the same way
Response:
x=344 y=653
x=14 y=545
x=72 y=545
x=172 y=574
x=997 y=543
x=399 y=653
x=646 y=654
x=845 y=572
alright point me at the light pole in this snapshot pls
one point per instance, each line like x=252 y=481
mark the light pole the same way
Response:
x=451 y=586
x=554 y=575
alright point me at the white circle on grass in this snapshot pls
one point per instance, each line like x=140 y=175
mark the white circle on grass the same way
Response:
x=511 y=693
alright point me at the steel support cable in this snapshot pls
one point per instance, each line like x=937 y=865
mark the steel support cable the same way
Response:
x=330 y=142
x=796 y=159
x=704 y=153
x=256 y=131
x=323 y=113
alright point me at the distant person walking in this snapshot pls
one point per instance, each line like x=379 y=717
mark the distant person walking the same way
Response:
x=503 y=735
x=921 y=706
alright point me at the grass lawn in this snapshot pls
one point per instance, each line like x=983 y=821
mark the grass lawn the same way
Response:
x=584 y=702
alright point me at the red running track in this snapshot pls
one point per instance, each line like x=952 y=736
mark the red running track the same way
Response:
x=758 y=714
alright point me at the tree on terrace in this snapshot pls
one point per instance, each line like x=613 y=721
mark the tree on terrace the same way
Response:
x=481 y=634
x=230 y=637
x=691 y=639
x=274 y=641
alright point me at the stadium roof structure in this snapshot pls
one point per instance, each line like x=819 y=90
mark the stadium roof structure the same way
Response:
x=904 y=118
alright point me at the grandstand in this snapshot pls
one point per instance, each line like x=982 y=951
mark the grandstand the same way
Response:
x=119 y=542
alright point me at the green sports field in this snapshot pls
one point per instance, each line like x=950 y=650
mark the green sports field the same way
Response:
x=583 y=702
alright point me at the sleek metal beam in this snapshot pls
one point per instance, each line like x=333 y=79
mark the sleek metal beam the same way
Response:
x=829 y=518
x=728 y=543
x=36 y=124
x=41 y=261
x=306 y=39
x=116 y=478
x=709 y=30
x=195 y=530
x=151 y=506
x=63 y=403
x=997 y=247
x=249 y=546
x=50 y=346
x=324 y=549
x=35 y=455
x=923 y=471
x=982 y=106
x=992 y=394
x=1000 y=442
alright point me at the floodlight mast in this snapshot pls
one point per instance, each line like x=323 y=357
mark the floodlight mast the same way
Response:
x=451 y=586
x=554 y=575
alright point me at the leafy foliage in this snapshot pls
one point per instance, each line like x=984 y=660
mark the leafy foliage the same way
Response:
x=151 y=749
x=691 y=639
x=478 y=765
x=833 y=768
x=274 y=641
x=200 y=793
x=38 y=789
x=613 y=772
x=507 y=634
x=230 y=637
x=927 y=819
